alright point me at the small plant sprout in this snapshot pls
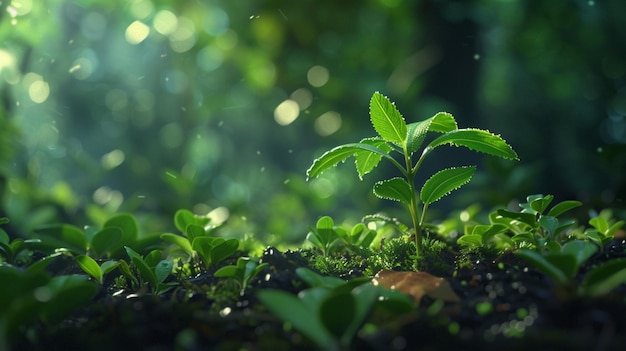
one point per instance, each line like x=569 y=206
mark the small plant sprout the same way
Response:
x=245 y=269
x=395 y=135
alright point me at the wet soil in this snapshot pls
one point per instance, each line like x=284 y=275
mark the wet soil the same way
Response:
x=505 y=305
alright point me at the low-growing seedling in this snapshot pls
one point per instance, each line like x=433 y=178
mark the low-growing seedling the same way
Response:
x=16 y=251
x=395 y=135
x=327 y=237
x=533 y=227
x=604 y=228
x=197 y=240
x=245 y=269
x=152 y=269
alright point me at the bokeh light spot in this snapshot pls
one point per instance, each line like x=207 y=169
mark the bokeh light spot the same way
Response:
x=112 y=159
x=318 y=76
x=328 y=123
x=141 y=9
x=184 y=38
x=137 y=32
x=303 y=97
x=286 y=112
x=165 y=22
x=38 y=91
x=82 y=68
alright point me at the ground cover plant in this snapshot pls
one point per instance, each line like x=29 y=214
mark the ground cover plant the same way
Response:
x=522 y=277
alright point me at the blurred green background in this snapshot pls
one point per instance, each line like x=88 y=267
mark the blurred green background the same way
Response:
x=148 y=106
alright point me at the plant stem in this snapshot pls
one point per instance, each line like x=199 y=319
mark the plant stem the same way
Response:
x=413 y=207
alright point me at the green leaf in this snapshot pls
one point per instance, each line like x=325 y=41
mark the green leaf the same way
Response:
x=195 y=231
x=224 y=250
x=477 y=140
x=566 y=263
x=144 y=270
x=470 y=240
x=366 y=160
x=179 y=241
x=580 y=249
x=603 y=279
x=90 y=266
x=339 y=154
x=387 y=120
x=315 y=280
x=303 y=317
x=183 y=218
x=563 y=207
x=442 y=122
x=228 y=272
x=336 y=312
x=527 y=218
x=163 y=269
x=109 y=266
x=539 y=205
x=394 y=189
x=445 y=181
x=541 y=263
x=549 y=223
x=106 y=240
x=127 y=224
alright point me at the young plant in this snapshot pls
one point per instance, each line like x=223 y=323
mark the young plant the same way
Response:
x=197 y=241
x=533 y=227
x=395 y=135
x=245 y=269
x=152 y=269
x=325 y=236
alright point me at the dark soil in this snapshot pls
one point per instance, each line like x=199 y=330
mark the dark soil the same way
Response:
x=505 y=306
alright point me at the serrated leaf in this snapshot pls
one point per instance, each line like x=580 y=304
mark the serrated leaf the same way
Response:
x=366 y=160
x=396 y=189
x=339 y=154
x=477 y=140
x=387 y=120
x=443 y=182
x=442 y=122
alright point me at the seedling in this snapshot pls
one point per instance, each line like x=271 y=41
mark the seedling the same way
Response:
x=533 y=227
x=210 y=249
x=395 y=135
x=326 y=236
x=152 y=269
x=245 y=269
